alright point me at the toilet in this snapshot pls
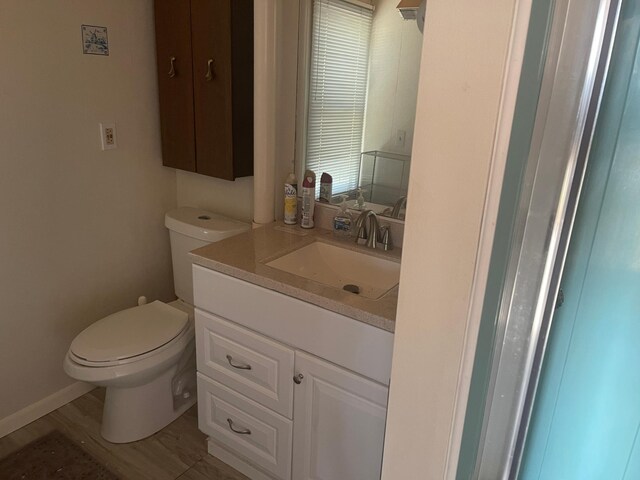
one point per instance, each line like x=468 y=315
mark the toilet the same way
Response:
x=145 y=355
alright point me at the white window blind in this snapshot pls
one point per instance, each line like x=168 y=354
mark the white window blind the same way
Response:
x=337 y=90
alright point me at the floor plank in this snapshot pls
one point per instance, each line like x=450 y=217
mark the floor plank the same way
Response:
x=177 y=451
x=210 y=467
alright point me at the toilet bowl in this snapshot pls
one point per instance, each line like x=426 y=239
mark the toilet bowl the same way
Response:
x=138 y=371
x=145 y=355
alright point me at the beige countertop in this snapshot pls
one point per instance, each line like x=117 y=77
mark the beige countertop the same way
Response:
x=245 y=256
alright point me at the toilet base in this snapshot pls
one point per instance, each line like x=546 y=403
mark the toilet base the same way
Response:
x=135 y=413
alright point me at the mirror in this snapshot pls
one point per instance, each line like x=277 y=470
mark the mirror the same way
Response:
x=358 y=69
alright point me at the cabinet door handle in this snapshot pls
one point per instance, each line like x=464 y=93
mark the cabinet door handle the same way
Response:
x=239 y=431
x=298 y=378
x=240 y=366
x=210 y=70
x=172 y=67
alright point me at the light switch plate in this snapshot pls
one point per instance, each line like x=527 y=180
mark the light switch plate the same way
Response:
x=108 y=136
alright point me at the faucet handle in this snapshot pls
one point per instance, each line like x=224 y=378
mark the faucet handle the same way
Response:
x=385 y=233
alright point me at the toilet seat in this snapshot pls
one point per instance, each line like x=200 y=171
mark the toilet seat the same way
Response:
x=129 y=335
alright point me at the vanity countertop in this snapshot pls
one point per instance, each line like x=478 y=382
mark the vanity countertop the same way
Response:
x=245 y=256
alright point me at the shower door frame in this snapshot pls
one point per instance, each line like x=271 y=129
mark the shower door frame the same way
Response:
x=580 y=44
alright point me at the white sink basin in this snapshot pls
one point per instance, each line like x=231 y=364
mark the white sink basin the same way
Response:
x=338 y=267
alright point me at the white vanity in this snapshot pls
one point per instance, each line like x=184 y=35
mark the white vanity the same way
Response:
x=287 y=389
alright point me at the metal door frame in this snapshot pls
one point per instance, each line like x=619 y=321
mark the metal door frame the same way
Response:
x=580 y=44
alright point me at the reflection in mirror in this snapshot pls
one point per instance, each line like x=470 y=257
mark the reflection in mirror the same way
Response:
x=359 y=66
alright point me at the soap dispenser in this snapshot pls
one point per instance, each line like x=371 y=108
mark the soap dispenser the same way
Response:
x=343 y=221
x=360 y=203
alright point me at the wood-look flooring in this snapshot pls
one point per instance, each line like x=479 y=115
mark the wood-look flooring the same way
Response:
x=179 y=451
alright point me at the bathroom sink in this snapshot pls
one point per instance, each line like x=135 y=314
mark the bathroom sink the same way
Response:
x=361 y=274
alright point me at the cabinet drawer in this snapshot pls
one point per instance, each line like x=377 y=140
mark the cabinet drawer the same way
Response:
x=245 y=361
x=344 y=341
x=245 y=427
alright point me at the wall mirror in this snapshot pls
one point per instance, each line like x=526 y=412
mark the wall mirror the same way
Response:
x=358 y=67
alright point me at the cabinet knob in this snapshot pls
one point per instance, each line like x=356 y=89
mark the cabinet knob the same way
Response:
x=298 y=378
x=210 y=70
x=172 y=67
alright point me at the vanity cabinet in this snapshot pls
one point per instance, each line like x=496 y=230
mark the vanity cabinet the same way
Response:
x=204 y=52
x=288 y=390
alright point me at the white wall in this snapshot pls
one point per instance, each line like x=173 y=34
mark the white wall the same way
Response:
x=233 y=199
x=81 y=230
x=287 y=77
x=462 y=78
x=394 y=67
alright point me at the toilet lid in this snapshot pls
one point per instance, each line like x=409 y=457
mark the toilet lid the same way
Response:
x=130 y=333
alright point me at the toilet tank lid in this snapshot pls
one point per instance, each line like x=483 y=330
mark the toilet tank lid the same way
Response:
x=203 y=225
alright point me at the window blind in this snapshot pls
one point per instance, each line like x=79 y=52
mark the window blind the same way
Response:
x=337 y=90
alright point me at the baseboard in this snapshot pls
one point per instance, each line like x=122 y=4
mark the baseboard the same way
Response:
x=240 y=465
x=42 y=407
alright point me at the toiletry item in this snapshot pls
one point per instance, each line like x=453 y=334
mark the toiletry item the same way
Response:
x=326 y=187
x=360 y=204
x=291 y=200
x=308 y=199
x=343 y=221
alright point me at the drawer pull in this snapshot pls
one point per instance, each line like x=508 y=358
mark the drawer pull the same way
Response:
x=240 y=431
x=239 y=366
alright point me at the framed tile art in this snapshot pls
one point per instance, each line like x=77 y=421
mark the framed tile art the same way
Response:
x=95 y=40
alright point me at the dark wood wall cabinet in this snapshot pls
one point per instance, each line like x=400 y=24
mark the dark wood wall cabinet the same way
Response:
x=205 y=82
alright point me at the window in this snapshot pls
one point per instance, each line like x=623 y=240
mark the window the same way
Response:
x=337 y=90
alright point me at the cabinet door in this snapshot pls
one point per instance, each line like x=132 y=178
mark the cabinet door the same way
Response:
x=211 y=37
x=242 y=86
x=339 y=422
x=175 y=83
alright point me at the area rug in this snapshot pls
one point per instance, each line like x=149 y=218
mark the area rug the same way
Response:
x=52 y=457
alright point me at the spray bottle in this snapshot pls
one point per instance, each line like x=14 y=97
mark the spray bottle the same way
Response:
x=308 y=199
x=291 y=200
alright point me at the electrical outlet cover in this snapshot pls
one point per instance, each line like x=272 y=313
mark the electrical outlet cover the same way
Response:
x=108 y=136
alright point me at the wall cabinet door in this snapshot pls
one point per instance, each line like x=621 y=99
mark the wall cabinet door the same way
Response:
x=206 y=94
x=339 y=422
x=175 y=83
x=212 y=85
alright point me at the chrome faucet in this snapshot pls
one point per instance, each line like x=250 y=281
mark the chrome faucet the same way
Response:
x=368 y=231
x=402 y=202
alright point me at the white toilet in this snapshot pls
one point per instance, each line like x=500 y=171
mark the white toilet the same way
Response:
x=145 y=355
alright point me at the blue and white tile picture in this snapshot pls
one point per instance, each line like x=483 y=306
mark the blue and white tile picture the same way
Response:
x=95 y=40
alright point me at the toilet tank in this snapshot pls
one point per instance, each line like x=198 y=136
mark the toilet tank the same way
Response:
x=191 y=228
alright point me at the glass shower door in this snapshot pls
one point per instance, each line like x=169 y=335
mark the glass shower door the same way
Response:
x=586 y=414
